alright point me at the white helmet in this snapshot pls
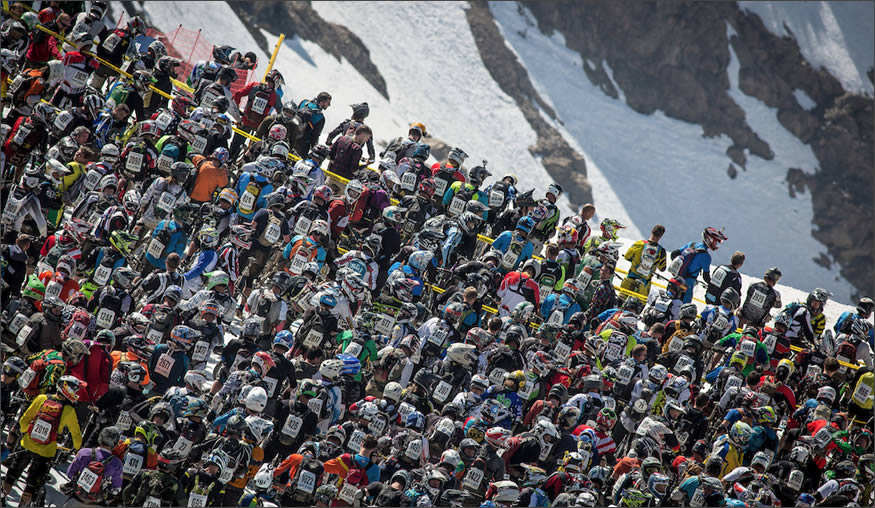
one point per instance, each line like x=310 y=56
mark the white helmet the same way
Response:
x=544 y=428
x=367 y=411
x=264 y=477
x=258 y=427
x=256 y=400
x=506 y=491
x=463 y=354
x=392 y=391
x=330 y=369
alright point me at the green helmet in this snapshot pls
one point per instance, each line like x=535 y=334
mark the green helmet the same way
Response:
x=35 y=288
x=217 y=278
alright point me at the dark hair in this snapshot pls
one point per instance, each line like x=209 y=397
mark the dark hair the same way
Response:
x=657 y=328
x=658 y=230
x=737 y=258
x=323 y=96
x=370 y=442
x=830 y=364
x=552 y=249
x=314 y=353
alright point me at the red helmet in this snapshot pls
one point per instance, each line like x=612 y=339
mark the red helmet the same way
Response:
x=180 y=105
x=324 y=192
x=712 y=238
x=427 y=187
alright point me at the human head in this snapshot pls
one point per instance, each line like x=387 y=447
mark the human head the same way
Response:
x=587 y=211
x=737 y=259
x=362 y=134
x=172 y=262
x=657 y=232
x=323 y=100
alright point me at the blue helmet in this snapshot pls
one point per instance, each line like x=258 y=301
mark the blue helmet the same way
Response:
x=284 y=338
x=415 y=420
x=420 y=259
x=525 y=224
x=351 y=364
x=421 y=151
x=328 y=300
x=805 y=499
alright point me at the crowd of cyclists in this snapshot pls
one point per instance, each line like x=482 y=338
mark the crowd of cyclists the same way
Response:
x=206 y=302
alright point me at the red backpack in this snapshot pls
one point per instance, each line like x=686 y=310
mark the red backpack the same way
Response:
x=44 y=427
x=77 y=328
x=90 y=478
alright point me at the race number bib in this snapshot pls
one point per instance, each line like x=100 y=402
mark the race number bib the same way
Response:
x=719 y=276
x=26 y=377
x=196 y=500
x=355 y=441
x=299 y=262
x=698 y=499
x=546 y=290
x=111 y=42
x=183 y=446
x=87 y=479
x=720 y=323
x=414 y=449
x=156 y=248
x=53 y=289
x=292 y=426
x=307 y=481
x=675 y=266
x=733 y=382
x=133 y=464
x=496 y=377
x=408 y=181
x=92 y=178
x=164 y=162
x=526 y=391
x=442 y=391
x=259 y=104
x=199 y=353
x=545 y=451
x=384 y=324
x=748 y=347
x=613 y=351
x=610 y=402
x=438 y=337
x=862 y=393
x=496 y=199
x=624 y=374
x=164 y=365
x=124 y=421
x=354 y=349
x=457 y=206
x=794 y=481
x=508 y=260
x=152 y=501
x=769 y=343
x=227 y=474
x=272 y=232
x=377 y=425
x=823 y=436
x=105 y=318
x=473 y=479
x=758 y=299
x=17 y=322
x=271 y=385
x=683 y=361
x=199 y=144
x=101 y=275
x=78 y=79
x=166 y=202
x=41 y=431
x=404 y=409
x=155 y=335
x=347 y=493
x=134 y=162
x=163 y=120
x=62 y=120
x=23 y=335
x=562 y=350
x=813 y=370
x=440 y=187
x=302 y=226
x=315 y=405
x=313 y=339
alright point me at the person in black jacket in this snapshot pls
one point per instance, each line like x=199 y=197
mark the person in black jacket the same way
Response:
x=13 y=259
x=725 y=276
x=359 y=113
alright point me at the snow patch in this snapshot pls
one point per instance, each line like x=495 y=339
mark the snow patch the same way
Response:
x=836 y=35
x=803 y=99
x=652 y=168
x=610 y=73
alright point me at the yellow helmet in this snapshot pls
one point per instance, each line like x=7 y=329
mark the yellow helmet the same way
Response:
x=517 y=377
x=420 y=127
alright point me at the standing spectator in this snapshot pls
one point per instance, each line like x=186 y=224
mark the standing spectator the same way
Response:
x=347 y=151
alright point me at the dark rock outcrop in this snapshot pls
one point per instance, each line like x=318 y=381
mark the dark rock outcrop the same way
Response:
x=299 y=18
x=673 y=57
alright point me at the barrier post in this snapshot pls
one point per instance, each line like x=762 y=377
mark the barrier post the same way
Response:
x=175 y=34
x=194 y=46
x=276 y=50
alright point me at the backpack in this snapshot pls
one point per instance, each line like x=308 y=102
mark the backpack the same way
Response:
x=847 y=352
x=395 y=147
x=309 y=113
x=247 y=204
x=135 y=156
x=681 y=264
x=258 y=103
x=44 y=427
x=90 y=479
x=78 y=325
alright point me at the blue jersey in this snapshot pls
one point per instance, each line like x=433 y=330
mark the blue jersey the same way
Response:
x=178 y=241
x=501 y=244
x=700 y=262
x=410 y=273
x=555 y=302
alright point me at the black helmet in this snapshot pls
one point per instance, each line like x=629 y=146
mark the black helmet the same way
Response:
x=282 y=280
x=320 y=151
x=222 y=54
x=227 y=73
